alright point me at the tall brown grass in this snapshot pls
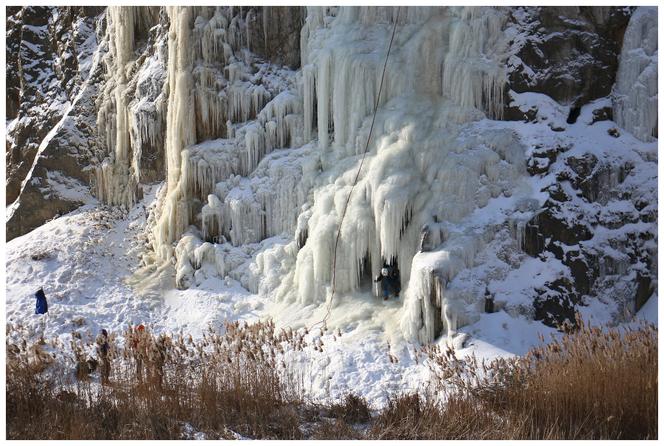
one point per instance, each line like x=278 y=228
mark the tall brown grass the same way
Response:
x=586 y=384
x=222 y=384
x=590 y=383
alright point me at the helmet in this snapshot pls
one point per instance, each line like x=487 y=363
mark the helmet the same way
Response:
x=384 y=272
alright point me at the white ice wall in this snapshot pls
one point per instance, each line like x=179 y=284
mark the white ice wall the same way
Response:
x=635 y=91
x=445 y=71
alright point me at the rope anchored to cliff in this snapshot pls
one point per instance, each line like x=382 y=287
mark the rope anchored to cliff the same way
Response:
x=357 y=175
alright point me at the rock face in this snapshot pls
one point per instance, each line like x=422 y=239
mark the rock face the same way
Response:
x=51 y=97
x=274 y=33
x=569 y=53
x=595 y=222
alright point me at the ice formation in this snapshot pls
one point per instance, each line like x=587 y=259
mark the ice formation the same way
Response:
x=256 y=152
x=418 y=168
x=124 y=125
x=635 y=91
x=446 y=70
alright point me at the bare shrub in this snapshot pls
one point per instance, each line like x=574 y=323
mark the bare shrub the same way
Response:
x=335 y=430
x=353 y=409
x=222 y=382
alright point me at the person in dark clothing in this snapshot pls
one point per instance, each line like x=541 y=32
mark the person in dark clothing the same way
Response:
x=104 y=359
x=41 y=304
x=389 y=279
x=138 y=341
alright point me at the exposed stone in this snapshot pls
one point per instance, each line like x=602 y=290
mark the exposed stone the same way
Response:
x=60 y=174
x=643 y=291
x=555 y=304
x=542 y=157
x=275 y=33
x=569 y=53
x=45 y=54
x=602 y=114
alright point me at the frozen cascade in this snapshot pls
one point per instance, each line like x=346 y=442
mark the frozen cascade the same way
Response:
x=418 y=165
x=277 y=126
x=348 y=64
x=245 y=211
x=635 y=90
x=115 y=183
x=267 y=203
x=231 y=97
x=427 y=162
x=131 y=106
x=222 y=92
x=180 y=132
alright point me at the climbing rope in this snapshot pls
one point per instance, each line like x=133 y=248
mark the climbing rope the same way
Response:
x=357 y=175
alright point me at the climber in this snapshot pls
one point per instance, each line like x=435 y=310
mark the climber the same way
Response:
x=389 y=278
x=103 y=354
x=489 y=306
x=41 y=306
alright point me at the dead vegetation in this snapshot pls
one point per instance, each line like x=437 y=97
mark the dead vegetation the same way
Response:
x=589 y=384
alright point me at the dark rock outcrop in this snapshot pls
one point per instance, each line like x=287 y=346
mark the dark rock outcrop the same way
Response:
x=588 y=198
x=275 y=33
x=555 y=304
x=569 y=53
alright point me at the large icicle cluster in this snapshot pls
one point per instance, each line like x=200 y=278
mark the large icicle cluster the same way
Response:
x=418 y=171
x=126 y=125
x=221 y=90
x=635 y=91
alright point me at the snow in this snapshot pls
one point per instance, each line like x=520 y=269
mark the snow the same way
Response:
x=649 y=311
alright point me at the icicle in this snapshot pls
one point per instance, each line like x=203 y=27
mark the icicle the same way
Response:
x=117 y=181
x=323 y=99
x=308 y=100
x=471 y=76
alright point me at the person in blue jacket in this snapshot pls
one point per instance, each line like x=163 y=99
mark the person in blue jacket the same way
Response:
x=41 y=306
x=389 y=279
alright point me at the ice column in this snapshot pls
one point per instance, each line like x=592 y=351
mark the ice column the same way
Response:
x=180 y=132
x=116 y=183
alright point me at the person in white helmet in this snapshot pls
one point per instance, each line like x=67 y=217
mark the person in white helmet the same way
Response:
x=389 y=279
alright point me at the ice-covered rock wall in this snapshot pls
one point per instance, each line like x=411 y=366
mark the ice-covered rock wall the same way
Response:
x=635 y=92
x=219 y=89
x=234 y=189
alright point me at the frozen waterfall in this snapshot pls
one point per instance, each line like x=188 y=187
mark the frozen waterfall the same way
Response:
x=255 y=151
